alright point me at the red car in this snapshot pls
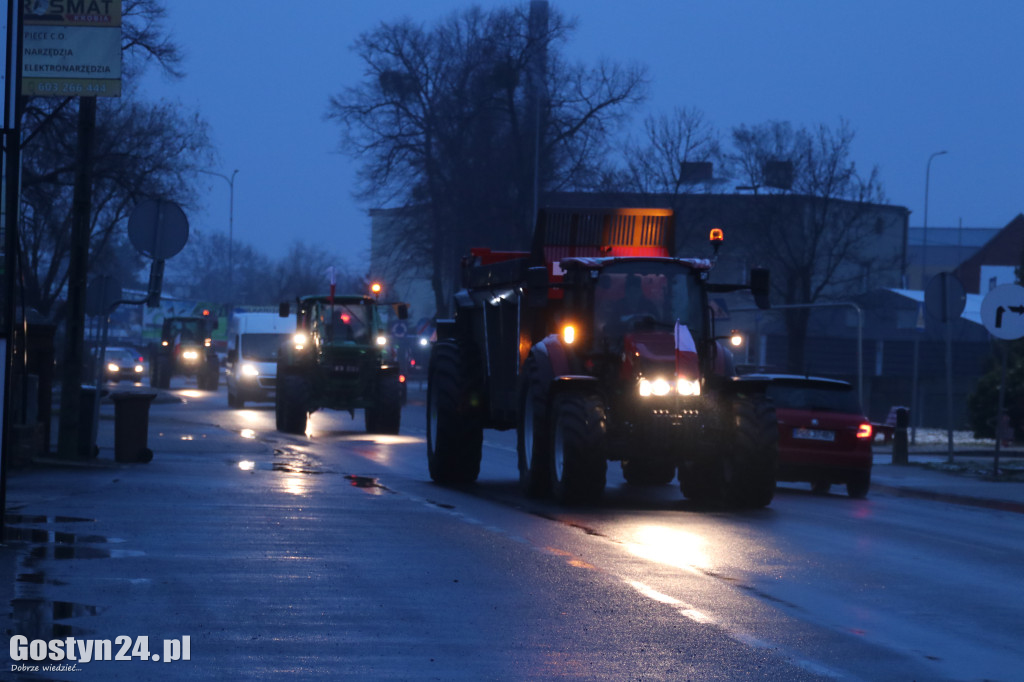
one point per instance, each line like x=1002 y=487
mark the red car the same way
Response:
x=824 y=437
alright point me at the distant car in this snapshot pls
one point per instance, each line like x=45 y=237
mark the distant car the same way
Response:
x=824 y=437
x=122 y=364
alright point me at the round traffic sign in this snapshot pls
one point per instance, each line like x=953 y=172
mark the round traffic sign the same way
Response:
x=158 y=229
x=1002 y=311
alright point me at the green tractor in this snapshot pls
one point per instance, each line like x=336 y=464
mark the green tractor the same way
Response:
x=340 y=358
x=186 y=349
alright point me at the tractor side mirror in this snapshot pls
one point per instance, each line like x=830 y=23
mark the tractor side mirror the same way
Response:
x=537 y=287
x=284 y=310
x=760 y=287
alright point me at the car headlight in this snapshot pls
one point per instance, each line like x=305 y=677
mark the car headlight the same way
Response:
x=112 y=367
x=138 y=369
x=382 y=340
x=250 y=371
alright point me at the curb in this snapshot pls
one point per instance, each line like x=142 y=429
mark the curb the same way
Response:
x=951 y=498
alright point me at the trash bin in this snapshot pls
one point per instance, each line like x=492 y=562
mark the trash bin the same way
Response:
x=131 y=426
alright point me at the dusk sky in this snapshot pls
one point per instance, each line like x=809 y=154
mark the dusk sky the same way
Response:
x=911 y=78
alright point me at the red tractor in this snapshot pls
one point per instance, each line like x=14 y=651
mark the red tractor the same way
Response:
x=598 y=346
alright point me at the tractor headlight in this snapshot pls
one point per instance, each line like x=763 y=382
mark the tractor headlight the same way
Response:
x=662 y=387
x=300 y=340
x=382 y=340
x=656 y=387
x=686 y=387
x=190 y=355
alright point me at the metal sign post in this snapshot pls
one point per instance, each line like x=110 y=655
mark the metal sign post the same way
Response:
x=945 y=298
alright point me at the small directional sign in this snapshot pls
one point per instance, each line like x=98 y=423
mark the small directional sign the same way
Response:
x=1002 y=311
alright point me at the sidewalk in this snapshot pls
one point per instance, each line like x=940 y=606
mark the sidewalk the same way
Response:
x=967 y=479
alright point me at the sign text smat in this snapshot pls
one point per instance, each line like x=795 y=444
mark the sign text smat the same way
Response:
x=72 y=47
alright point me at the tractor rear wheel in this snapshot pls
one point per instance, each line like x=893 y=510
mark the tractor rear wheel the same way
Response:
x=454 y=432
x=386 y=415
x=577 y=468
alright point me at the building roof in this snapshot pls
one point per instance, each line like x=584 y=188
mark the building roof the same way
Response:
x=1004 y=248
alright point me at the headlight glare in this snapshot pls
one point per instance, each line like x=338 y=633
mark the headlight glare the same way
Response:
x=569 y=334
x=686 y=387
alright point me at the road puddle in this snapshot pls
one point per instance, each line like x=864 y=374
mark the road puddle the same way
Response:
x=42 y=618
x=34 y=542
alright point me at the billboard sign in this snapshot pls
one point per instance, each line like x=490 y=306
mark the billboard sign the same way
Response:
x=71 y=48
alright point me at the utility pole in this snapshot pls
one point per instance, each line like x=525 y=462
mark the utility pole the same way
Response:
x=69 y=438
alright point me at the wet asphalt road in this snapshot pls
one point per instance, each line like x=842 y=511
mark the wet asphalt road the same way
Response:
x=334 y=557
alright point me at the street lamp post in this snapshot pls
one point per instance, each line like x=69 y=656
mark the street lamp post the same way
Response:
x=914 y=411
x=924 y=245
x=231 y=228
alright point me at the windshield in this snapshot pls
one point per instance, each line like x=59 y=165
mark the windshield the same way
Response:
x=262 y=347
x=821 y=398
x=346 y=322
x=646 y=296
x=187 y=331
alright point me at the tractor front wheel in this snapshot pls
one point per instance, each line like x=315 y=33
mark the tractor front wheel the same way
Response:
x=290 y=404
x=577 y=467
x=454 y=432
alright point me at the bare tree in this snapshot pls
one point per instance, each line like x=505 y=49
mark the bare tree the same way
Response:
x=140 y=151
x=657 y=164
x=463 y=119
x=306 y=269
x=818 y=230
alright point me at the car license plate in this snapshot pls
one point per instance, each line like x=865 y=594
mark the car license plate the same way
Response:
x=346 y=369
x=814 y=434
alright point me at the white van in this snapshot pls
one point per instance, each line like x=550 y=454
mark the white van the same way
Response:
x=254 y=340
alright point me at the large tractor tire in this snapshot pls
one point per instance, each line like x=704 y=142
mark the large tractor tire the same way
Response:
x=738 y=468
x=386 y=415
x=209 y=377
x=532 y=442
x=577 y=467
x=161 y=372
x=290 y=404
x=454 y=433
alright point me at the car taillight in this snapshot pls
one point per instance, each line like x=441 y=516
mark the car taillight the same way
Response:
x=864 y=431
